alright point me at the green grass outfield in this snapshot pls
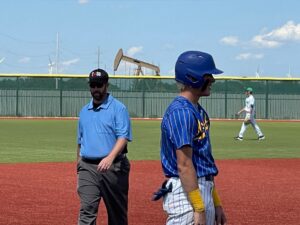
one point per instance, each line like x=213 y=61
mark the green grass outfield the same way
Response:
x=25 y=140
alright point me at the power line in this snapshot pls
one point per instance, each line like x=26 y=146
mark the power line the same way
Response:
x=9 y=52
x=25 y=41
x=22 y=66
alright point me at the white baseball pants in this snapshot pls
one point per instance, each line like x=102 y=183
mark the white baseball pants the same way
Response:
x=178 y=207
x=253 y=124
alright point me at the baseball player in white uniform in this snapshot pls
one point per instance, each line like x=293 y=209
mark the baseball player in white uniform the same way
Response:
x=249 y=111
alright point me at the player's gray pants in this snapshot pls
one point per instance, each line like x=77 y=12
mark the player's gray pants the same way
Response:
x=253 y=124
x=178 y=207
x=111 y=185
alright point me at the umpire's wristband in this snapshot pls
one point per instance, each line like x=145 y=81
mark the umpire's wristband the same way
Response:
x=196 y=200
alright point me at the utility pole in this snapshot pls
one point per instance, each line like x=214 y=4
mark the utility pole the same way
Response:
x=57 y=53
x=57 y=60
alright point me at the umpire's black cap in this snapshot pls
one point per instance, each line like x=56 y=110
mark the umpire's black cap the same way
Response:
x=98 y=76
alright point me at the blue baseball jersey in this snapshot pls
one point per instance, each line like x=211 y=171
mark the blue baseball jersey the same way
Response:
x=185 y=124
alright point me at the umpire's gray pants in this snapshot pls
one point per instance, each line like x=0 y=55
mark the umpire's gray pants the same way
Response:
x=111 y=185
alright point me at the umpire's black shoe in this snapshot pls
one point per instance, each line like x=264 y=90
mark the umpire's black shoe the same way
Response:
x=238 y=138
x=262 y=137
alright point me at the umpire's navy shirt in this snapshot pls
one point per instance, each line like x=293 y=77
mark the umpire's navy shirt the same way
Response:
x=99 y=129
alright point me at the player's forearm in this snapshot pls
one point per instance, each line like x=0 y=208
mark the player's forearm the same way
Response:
x=216 y=198
x=186 y=170
x=187 y=175
x=242 y=110
x=188 y=178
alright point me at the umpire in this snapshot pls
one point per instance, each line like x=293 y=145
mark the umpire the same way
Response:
x=102 y=166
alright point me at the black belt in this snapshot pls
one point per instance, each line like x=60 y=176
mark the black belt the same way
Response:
x=98 y=160
x=209 y=177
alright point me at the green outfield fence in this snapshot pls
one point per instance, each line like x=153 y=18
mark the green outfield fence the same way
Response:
x=40 y=95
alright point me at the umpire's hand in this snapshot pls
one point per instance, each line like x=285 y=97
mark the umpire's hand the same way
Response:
x=105 y=163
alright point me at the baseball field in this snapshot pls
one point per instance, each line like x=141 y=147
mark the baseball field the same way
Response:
x=258 y=182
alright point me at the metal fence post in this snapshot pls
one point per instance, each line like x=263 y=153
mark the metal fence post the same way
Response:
x=225 y=95
x=60 y=96
x=17 y=98
x=267 y=100
x=143 y=104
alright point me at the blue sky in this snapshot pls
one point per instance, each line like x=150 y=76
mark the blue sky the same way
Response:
x=244 y=37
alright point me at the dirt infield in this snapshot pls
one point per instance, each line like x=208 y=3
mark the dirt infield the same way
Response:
x=253 y=192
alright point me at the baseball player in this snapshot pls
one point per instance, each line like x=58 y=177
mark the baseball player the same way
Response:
x=190 y=195
x=249 y=111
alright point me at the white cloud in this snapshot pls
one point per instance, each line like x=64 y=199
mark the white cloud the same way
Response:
x=70 y=62
x=286 y=33
x=25 y=60
x=265 y=42
x=134 y=50
x=83 y=1
x=230 y=40
x=247 y=56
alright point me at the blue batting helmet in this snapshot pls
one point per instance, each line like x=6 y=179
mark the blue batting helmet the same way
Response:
x=191 y=66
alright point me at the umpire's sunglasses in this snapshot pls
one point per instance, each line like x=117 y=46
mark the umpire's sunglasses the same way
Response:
x=98 y=85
